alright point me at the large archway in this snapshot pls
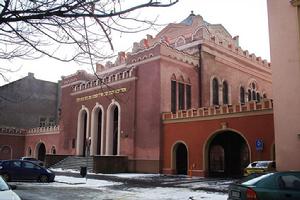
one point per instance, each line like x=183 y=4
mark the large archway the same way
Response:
x=97 y=130
x=113 y=129
x=82 y=132
x=41 y=151
x=5 y=153
x=227 y=154
x=180 y=159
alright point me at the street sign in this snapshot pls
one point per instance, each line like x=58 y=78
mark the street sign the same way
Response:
x=259 y=144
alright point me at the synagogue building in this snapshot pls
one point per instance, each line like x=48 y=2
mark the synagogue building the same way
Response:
x=188 y=101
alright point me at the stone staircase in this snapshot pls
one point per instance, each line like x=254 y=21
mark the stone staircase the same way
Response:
x=75 y=162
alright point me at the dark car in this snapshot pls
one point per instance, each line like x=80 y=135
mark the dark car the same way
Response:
x=275 y=186
x=24 y=170
x=34 y=160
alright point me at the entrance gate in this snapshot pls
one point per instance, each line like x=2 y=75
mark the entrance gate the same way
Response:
x=41 y=152
x=228 y=154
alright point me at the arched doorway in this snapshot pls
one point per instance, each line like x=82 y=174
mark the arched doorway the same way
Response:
x=82 y=133
x=97 y=130
x=113 y=133
x=227 y=154
x=115 y=130
x=5 y=153
x=180 y=158
x=41 y=151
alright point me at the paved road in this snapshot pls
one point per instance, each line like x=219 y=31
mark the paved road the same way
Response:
x=128 y=189
x=36 y=192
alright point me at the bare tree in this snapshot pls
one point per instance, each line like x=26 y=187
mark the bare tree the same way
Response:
x=68 y=30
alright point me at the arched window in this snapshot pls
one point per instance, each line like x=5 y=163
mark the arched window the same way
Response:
x=258 y=97
x=215 y=91
x=253 y=93
x=181 y=102
x=249 y=95
x=173 y=96
x=180 y=41
x=264 y=95
x=181 y=94
x=188 y=96
x=53 y=150
x=5 y=153
x=242 y=95
x=225 y=92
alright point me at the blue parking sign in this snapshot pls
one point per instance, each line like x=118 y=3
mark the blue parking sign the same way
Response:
x=259 y=144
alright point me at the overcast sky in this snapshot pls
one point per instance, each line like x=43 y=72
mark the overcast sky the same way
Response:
x=246 y=18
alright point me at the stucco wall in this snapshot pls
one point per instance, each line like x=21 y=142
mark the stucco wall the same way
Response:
x=24 y=101
x=236 y=74
x=285 y=58
x=71 y=109
x=15 y=143
x=196 y=134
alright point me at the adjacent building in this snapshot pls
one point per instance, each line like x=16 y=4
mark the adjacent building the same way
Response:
x=24 y=104
x=284 y=21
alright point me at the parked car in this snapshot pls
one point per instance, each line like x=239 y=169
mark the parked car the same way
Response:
x=275 y=186
x=6 y=192
x=260 y=167
x=24 y=170
x=34 y=160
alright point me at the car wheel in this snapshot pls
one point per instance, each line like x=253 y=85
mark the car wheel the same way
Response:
x=43 y=178
x=6 y=177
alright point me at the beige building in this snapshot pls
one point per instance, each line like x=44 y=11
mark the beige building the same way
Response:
x=284 y=21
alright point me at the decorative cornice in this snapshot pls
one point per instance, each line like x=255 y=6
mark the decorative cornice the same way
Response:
x=220 y=112
x=295 y=3
x=221 y=116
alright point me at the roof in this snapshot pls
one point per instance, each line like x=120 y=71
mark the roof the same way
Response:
x=189 y=20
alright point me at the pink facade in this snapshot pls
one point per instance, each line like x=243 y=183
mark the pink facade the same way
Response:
x=188 y=66
x=285 y=56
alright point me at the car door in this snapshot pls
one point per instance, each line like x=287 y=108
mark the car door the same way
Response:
x=30 y=170
x=289 y=186
x=15 y=170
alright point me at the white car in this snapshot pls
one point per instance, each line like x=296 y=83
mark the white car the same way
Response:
x=6 y=192
x=34 y=160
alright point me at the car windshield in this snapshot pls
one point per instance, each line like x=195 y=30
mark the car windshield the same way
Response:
x=257 y=179
x=3 y=185
x=262 y=164
x=29 y=159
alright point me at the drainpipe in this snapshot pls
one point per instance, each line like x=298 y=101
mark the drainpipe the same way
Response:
x=200 y=76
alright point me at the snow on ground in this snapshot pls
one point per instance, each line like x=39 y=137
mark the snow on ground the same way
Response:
x=132 y=175
x=82 y=182
x=121 y=175
x=185 y=191
x=136 y=193
x=173 y=193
